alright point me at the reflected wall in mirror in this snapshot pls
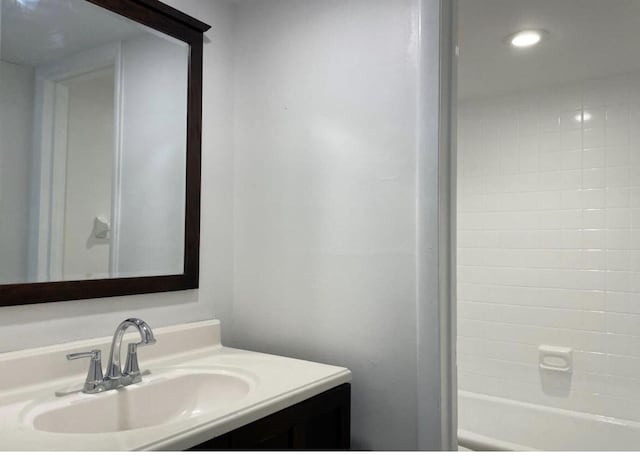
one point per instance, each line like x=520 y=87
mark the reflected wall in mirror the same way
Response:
x=93 y=144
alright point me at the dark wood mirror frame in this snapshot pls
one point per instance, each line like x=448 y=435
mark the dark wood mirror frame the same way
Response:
x=168 y=20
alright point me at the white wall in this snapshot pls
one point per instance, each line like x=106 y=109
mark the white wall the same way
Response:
x=550 y=245
x=326 y=117
x=16 y=113
x=89 y=169
x=150 y=239
x=320 y=198
x=36 y=325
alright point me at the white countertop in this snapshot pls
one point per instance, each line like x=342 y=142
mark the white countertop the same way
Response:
x=30 y=380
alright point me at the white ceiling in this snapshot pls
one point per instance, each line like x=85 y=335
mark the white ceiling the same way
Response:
x=37 y=31
x=587 y=39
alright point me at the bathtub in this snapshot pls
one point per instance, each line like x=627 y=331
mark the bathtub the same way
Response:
x=490 y=423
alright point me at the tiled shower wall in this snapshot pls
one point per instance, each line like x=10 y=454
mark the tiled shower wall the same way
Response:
x=549 y=245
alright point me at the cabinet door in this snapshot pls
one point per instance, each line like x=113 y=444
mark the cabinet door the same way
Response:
x=319 y=423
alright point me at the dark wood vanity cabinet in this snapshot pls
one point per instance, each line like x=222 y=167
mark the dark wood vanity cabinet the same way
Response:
x=318 y=423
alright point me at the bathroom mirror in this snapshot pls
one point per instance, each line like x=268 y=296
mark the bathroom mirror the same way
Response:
x=100 y=132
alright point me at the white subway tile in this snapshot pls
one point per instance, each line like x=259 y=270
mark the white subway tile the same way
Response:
x=624 y=390
x=634 y=149
x=618 y=118
x=593 y=137
x=634 y=197
x=473 y=203
x=622 y=302
x=593 y=259
x=570 y=159
x=594 y=219
x=593 y=158
x=593 y=239
x=549 y=247
x=619 y=344
x=626 y=324
x=473 y=220
x=618 y=239
x=533 y=335
x=509 y=161
x=594 y=199
x=594 y=178
x=590 y=362
x=529 y=161
x=618 y=176
x=619 y=260
x=595 y=117
x=505 y=351
x=618 y=218
x=635 y=217
x=618 y=197
x=551 y=144
x=549 y=122
x=634 y=239
x=536 y=316
x=572 y=140
x=635 y=259
x=617 y=155
x=620 y=281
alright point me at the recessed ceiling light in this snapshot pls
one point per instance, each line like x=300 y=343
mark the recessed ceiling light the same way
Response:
x=526 y=38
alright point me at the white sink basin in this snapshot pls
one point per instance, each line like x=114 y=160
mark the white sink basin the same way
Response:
x=197 y=390
x=157 y=400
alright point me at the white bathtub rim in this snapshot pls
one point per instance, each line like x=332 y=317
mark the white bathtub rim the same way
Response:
x=477 y=442
x=555 y=410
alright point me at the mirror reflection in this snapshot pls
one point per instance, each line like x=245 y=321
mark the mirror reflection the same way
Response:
x=92 y=144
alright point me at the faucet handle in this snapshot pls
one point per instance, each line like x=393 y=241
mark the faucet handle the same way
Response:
x=93 y=354
x=93 y=383
x=131 y=367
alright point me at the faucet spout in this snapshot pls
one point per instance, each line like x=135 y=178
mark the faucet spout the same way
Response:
x=114 y=368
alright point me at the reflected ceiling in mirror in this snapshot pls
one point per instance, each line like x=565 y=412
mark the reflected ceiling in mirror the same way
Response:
x=93 y=140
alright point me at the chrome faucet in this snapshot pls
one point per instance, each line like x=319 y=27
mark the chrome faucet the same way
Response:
x=116 y=376
x=114 y=369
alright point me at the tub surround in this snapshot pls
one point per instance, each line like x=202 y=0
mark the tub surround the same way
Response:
x=549 y=245
x=39 y=380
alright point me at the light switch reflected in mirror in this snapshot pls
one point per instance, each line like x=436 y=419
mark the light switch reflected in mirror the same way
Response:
x=93 y=122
